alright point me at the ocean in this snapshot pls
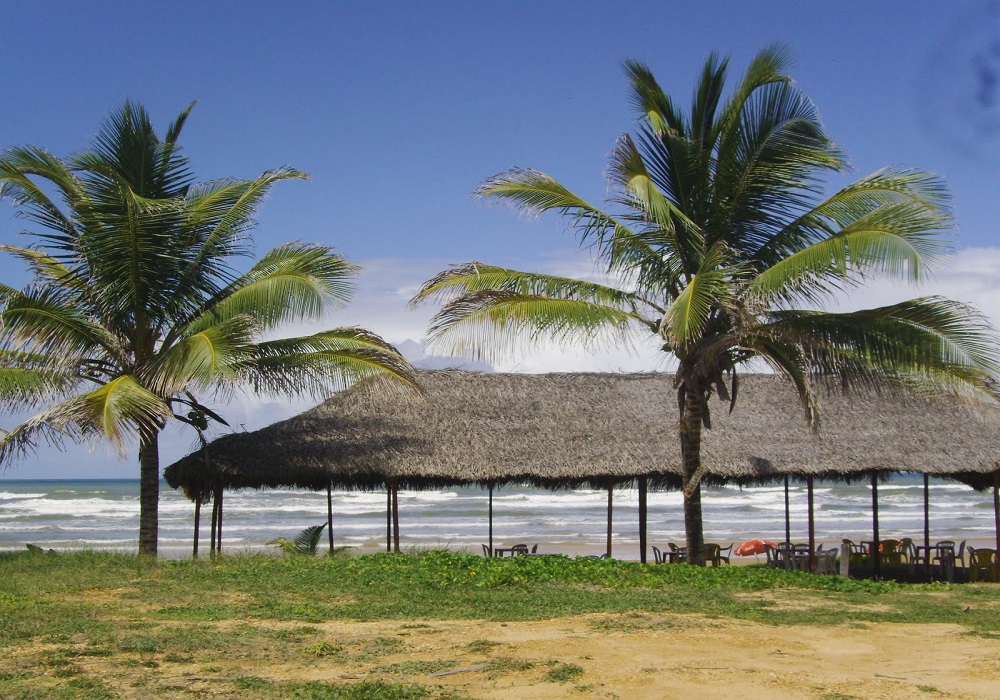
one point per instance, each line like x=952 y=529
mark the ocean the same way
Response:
x=104 y=514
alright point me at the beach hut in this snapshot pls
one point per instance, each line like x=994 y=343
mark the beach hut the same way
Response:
x=598 y=430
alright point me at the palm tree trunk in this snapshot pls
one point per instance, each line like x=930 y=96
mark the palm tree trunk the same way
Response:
x=149 y=492
x=197 y=524
x=215 y=521
x=690 y=429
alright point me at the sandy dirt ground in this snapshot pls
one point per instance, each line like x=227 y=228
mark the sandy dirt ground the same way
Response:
x=637 y=656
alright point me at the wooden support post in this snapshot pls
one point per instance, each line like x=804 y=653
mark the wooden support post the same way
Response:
x=395 y=516
x=611 y=491
x=329 y=515
x=788 y=516
x=490 y=485
x=875 y=554
x=812 y=526
x=642 y=518
x=218 y=500
x=927 y=525
x=996 y=517
x=215 y=523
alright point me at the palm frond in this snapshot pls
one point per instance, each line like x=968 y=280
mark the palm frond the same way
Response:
x=306 y=542
x=128 y=150
x=47 y=269
x=649 y=100
x=905 y=191
x=770 y=170
x=200 y=359
x=18 y=165
x=30 y=387
x=48 y=322
x=293 y=282
x=220 y=214
x=479 y=277
x=325 y=362
x=118 y=411
x=533 y=192
x=673 y=234
x=788 y=359
x=121 y=409
x=491 y=324
x=710 y=289
x=928 y=341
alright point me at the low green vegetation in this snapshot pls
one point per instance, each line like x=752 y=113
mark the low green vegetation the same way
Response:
x=105 y=625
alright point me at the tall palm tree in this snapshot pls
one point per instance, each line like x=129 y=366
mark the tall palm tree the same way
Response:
x=135 y=307
x=719 y=231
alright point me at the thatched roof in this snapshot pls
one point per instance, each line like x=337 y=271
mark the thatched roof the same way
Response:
x=560 y=430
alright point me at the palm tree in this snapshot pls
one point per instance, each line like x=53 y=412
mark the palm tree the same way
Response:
x=719 y=232
x=135 y=306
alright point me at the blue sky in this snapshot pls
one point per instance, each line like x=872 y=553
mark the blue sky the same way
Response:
x=398 y=111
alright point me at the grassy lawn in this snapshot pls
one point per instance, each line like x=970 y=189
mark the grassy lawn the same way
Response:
x=101 y=625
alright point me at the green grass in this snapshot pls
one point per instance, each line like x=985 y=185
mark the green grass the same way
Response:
x=563 y=673
x=65 y=619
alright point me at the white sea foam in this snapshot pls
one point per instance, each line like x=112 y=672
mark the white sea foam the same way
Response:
x=7 y=495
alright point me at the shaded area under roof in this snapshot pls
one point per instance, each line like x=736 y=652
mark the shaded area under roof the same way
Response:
x=566 y=430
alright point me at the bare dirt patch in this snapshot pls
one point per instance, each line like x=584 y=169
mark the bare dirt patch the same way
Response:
x=603 y=656
x=804 y=601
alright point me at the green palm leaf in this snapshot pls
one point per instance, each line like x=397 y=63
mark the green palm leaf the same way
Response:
x=204 y=358
x=478 y=277
x=709 y=290
x=118 y=411
x=306 y=542
x=48 y=322
x=492 y=324
x=324 y=362
x=291 y=283
x=927 y=341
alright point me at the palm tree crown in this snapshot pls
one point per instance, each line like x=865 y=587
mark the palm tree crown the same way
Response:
x=727 y=247
x=135 y=306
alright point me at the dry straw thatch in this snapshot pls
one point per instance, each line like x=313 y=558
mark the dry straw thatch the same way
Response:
x=563 y=430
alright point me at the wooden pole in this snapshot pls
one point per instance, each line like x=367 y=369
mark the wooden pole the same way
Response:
x=812 y=527
x=875 y=554
x=490 y=485
x=642 y=519
x=329 y=515
x=215 y=520
x=611 y=491
x=927 y=525
x=788 y=517
x=395 y=516
x=218 y=519
x=996 y=517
